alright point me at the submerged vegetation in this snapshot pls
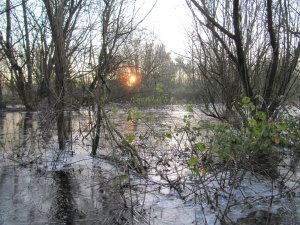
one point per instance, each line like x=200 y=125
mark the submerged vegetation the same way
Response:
x=233 y=156
x=218 y=128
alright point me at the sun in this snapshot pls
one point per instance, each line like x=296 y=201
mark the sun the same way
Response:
x=132 y=79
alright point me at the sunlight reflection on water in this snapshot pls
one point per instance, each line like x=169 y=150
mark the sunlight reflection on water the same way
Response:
x=75 y=188
x=41 y=193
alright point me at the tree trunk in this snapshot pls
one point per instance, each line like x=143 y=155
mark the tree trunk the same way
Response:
x=56 y=18
x=241 y=62
x=2 y=103
x=9 y=53
x=95 y=140
x=27 y=52
x=275 y=59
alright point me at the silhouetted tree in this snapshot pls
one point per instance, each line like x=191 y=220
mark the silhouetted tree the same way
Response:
x=62 y=16
x=246 y=49
x=10 y=53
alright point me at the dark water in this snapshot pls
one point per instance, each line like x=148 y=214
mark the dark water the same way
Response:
x=60 y=197
x=36 y=188
x=40 y=185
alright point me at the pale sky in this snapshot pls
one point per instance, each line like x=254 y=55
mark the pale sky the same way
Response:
x=169 y=21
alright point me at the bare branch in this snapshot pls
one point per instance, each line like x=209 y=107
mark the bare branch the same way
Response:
x=212 y=20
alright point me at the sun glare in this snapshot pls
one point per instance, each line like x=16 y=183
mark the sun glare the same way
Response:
x=132 y=79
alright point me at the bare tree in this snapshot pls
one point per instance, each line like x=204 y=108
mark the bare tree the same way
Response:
x=62 y=17
x=27 y=52
x=10 y=53
x=116 y=27
x=26 y=37
x=157 y=65
x=254 y=42
x=43 y=63
x=152 y=61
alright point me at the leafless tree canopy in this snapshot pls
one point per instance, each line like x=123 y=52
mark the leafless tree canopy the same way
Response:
x=246 y=48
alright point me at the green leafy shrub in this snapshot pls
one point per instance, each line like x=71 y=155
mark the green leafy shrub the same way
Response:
x=258 y=146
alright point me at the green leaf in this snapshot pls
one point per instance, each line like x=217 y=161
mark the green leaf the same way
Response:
x=252 y=107
x=114 y=111
x=246 y=100
x=261 y=115
x=281 y=127
x=151 y=118
x=201 y=147
x=189 y=108
x=193 y=161
x=129 y=115
x=137 y=115
x=122 y=178
x=130 y=138
x=258 y=130
x=213 y=126
x=159 y=88
x=252 y=122
x=168 y=135
x=196 y=170
x=222 y=155
x=103 y=98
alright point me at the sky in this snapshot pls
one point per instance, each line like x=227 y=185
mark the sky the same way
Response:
x=169 y=21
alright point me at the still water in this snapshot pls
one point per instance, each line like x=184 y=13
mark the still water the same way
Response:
x=39 y=185
x=34 y=189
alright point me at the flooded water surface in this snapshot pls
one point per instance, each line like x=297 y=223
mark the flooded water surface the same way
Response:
x=41 y=185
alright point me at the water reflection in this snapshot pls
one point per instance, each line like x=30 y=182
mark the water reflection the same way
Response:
x=15 y=194
x=27 y=123
x=63 y=205
x=85 y=194
x=68 y=124
x=2 y=118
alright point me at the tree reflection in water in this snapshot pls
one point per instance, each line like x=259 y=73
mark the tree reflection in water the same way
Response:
x=63 y=206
